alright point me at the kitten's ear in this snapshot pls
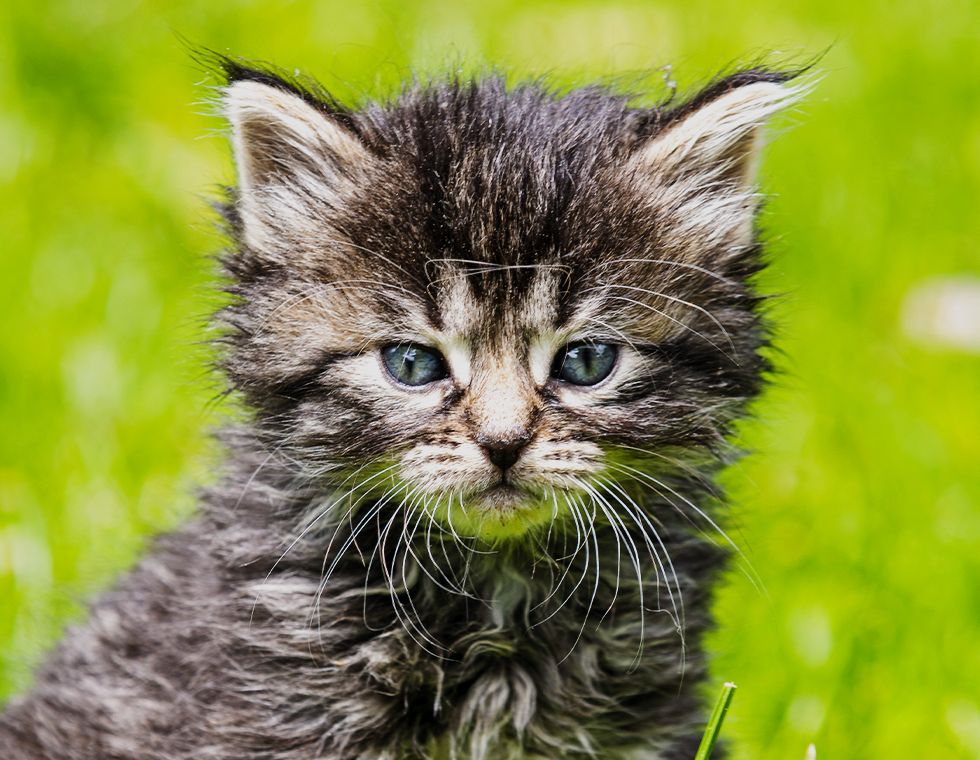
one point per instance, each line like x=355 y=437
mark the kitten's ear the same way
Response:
x=294 y=160
x=717 y=137
x=700 y=167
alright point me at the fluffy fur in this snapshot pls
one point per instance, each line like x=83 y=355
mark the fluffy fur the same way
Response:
x=363 y=582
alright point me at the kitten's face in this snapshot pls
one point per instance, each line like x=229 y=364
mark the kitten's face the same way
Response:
x=510 y=397
x=473 y=300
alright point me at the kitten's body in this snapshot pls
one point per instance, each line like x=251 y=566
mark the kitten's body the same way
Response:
x=487 y=223
x=198 y=673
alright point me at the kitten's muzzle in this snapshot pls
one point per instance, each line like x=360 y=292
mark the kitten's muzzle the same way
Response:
x=504 y=452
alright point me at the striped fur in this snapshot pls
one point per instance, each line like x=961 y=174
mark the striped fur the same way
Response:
x=359 y=584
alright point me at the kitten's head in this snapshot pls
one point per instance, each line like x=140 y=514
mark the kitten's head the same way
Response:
x=484 y=296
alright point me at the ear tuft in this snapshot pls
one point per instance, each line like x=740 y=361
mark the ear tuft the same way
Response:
x=718 y=135
x=698 y=171
x=276 y=135
x=295 y=161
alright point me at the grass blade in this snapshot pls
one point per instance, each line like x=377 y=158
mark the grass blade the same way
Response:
x=715 y=721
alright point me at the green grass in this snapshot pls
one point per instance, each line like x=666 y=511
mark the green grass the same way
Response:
x=713 y=729
x=859 y=507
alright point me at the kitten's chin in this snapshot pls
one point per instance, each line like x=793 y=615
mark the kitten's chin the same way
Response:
x=503 y=497
x=501 y=512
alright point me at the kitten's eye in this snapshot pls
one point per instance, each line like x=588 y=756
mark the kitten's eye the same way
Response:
x=584 y=363
x=412 y=364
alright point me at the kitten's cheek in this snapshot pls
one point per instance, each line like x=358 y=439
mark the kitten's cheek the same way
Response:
x=447 y=468
x=557 y=464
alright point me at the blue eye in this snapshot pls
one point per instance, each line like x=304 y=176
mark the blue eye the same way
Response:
x=584 y=363
x=412 y=364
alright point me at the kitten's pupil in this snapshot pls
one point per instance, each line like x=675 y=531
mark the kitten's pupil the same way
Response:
x=584 y=363
x=412 y=364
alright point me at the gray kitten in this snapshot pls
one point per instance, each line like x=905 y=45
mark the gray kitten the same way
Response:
x=491 y=341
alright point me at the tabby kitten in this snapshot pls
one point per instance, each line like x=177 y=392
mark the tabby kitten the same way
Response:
x=491 y=340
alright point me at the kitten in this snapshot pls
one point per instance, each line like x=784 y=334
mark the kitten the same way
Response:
x=491 y=340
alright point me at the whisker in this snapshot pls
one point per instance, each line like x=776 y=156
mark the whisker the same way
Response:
x=432 y=521
x=388 y=573
x=638 y=515
x=669 y=262
x=423 y=512
x=406 y=540
x=579 y=531
x=676 y=321
x=595 y=587
x=657 y=484
x=324 y=511
x=585 y=569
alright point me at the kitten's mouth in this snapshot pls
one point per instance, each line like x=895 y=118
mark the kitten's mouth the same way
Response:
x=504 y=496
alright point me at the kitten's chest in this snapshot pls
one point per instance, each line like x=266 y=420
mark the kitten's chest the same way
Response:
x=525 y=663
x=512 y=675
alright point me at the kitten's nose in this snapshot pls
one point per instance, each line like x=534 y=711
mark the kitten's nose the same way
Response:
x=504 y=453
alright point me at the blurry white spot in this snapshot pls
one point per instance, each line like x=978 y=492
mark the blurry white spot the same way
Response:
x=92 y=376
x=805 y=714
x=811 y=753
x=963 y=717
x=26 y=555
x=944 y=313
x=17 y=146
x=811 y=634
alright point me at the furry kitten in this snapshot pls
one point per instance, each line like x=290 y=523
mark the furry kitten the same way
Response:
x=491 y=341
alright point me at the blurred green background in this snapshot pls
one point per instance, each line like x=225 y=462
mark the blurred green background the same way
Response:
x=859 y=507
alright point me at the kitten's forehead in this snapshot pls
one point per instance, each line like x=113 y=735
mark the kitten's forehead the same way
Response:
x=490 y=303
x=501 y=321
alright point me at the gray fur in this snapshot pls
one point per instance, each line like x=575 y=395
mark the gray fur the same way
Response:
x=320 y=605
